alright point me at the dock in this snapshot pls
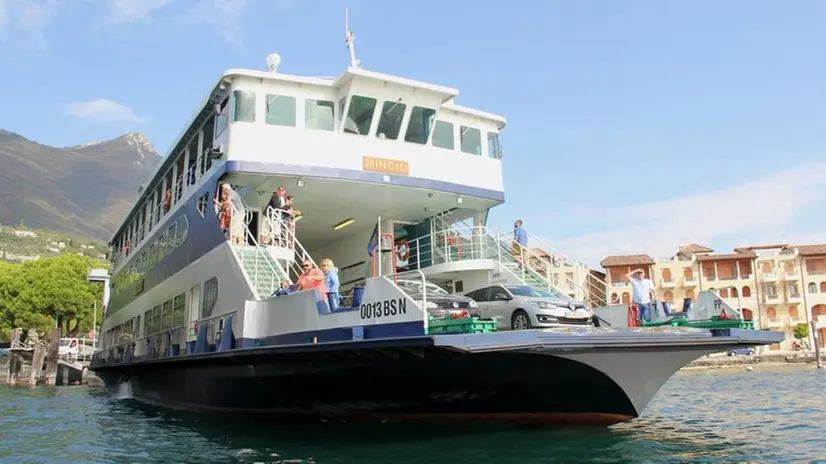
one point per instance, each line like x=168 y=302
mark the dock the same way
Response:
x=37 y=362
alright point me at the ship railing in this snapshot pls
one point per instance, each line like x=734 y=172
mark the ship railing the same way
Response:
x=282 y=228
x=262 y=282
x=460 y=242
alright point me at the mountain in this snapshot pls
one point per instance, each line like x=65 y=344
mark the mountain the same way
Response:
x=85 y=189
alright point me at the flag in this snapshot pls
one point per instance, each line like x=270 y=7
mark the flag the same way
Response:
x=374 y=240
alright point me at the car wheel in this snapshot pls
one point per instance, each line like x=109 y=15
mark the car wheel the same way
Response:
x=520 y=320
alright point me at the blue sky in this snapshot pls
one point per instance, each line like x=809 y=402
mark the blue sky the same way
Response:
x=634 y=126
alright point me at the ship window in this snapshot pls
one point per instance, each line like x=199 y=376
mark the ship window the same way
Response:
x=222 y=121
x=210 y=297
x=443 y=135
x=280 y=110
x=470 y=140
x=494 y=149
x=178 y=310
x=318 y=114
x=360 y=115
x=421 y=122
x=167 y=315
x=244 y=108
x=390 y=123
x=156 y=320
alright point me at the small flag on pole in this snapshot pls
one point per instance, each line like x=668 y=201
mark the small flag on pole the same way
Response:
x=374 y=241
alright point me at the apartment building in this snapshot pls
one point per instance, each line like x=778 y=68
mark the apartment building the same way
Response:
x=765 y=283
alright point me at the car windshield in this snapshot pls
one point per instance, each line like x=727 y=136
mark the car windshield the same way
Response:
x=524 y=290
x=413 y=287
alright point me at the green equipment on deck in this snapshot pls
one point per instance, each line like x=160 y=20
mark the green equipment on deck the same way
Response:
x=708 y=312
x=466 y=325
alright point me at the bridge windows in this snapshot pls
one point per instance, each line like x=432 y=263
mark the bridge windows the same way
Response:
x=470 y=140
x=280 y=110
x=420 y=125
x=494 y=149
x=390 y=122
x=319 y=114
x=360 y=115
x=443 y=136
x=243 y=109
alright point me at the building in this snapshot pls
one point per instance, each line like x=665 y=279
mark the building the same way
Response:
x=765 y=282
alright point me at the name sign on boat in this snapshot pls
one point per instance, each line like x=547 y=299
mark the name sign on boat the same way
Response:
x=387 y=166
x=383 y=308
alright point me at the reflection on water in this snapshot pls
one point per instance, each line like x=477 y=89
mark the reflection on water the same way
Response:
x=769 y=415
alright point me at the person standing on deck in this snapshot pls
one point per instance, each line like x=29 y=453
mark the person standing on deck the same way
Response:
x=520 y=241
x=642 y=292
x=331 y=278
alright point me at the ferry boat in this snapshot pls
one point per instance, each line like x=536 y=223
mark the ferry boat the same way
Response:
x=394 y=181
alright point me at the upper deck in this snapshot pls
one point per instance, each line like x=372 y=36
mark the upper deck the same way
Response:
x=362 y=126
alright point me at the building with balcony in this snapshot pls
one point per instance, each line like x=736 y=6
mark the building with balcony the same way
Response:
x=776 y=286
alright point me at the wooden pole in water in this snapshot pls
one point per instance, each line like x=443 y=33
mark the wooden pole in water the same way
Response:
x=51 y=357
x=15 y=362
x=816 y=339
x=38 y=356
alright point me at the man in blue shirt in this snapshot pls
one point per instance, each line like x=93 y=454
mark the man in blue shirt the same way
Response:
x=520 y=241
x=642 y=290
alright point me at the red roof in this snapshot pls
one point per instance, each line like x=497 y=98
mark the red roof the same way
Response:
x=811 y=250
x=729 y=256
x=626 y=260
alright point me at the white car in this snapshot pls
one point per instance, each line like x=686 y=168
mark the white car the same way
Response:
x=521 y=307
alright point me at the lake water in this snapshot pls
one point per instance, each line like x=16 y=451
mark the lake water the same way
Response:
x=768 y=415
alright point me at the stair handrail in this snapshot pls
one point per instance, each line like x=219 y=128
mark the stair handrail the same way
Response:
x=594 y=288
x=286 y=222
x=254 y=279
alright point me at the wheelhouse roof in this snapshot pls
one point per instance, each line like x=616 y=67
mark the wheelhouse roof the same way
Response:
x=218 y=92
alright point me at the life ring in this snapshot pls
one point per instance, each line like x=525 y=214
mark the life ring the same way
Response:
x=403 y=250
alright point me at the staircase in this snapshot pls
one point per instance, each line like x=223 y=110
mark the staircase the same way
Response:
x=266 y=266
x=532 y=266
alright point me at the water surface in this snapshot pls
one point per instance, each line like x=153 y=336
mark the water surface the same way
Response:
x=768 y=415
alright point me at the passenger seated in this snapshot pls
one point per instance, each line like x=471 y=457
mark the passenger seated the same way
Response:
x=312 y=278
x=286 y=288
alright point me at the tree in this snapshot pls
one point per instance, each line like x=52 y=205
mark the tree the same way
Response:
x=801 y=332
x=39 y=294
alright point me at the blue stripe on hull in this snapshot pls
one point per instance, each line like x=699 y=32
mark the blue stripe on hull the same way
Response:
x=341 y=334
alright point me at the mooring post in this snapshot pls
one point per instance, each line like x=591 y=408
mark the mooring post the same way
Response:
x=817 y=341
x=38 y=356
x=15 y=359
x=52 y=356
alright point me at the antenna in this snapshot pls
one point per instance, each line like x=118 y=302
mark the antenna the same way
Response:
x=349 y=39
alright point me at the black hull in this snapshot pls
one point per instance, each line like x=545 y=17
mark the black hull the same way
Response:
x=410 y=385
x=535 y=377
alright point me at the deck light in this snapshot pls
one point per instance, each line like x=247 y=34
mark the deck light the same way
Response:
x=344 y=224
x=459 y=200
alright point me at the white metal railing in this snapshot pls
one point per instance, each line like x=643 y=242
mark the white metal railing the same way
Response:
x=282 y=227
x=179 y=335
x=251 y=258
x=460 y=242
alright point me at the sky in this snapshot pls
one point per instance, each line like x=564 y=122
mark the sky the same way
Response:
x=633 y=126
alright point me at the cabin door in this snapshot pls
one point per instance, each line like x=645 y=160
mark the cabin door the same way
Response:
x=193 y=312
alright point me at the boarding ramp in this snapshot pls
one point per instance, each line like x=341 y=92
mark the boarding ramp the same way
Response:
x=378 y=310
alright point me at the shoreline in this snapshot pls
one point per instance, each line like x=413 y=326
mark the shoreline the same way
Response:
x=724 y=361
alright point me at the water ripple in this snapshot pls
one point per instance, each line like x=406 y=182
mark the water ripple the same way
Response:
x=721 y=416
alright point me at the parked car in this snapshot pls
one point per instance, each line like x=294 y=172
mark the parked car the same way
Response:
x=439 y=302
x=76 y=348
x=744 y=351
x=521 y=307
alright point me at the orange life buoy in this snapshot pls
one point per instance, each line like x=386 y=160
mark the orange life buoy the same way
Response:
x=403 y=250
